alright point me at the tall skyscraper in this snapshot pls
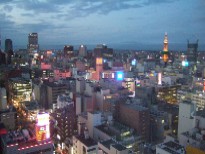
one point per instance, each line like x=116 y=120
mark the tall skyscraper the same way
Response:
x=82 y=51
x=68 y=51
x=33 y=45
x=192 y=52
x=8 y=45
x=165 y=49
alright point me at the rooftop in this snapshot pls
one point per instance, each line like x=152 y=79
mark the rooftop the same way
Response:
x=136 y=107
x=88 y=142
x=54 y=84
x=119 y=147
x=201 y=113
x=10 y=109
x=172 y=147
x=20 y=79
x=110 y=142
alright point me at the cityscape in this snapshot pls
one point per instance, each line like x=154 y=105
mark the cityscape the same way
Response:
x=125 y=96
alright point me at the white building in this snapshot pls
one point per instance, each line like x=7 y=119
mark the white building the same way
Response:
x=186 y=113
x=196 y=135
x=94 y=119
x=80 y=85
x=197 y=97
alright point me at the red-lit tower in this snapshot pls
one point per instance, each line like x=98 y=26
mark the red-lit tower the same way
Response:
x=165 y=49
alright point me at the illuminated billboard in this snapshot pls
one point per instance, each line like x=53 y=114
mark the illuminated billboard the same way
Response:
x=119 y=76
x=108 y=75
x=159 y=78
x=185 y=63
x=134 y=62
x=204 y=86
x=99 y=61
x=42 y=127
x=116 y=75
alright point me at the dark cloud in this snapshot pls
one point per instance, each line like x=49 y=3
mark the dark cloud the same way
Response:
x=6 y=1
x=80 y=8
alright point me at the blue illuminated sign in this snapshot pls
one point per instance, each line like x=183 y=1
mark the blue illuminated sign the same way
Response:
x=134 y=62
x=120 y=75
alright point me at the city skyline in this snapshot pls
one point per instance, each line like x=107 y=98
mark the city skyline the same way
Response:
x=117 y=22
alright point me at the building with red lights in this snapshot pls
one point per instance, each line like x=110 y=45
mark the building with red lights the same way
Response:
x=61 y=74
x=24 y=142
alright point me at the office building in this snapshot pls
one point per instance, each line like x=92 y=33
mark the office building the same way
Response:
x=82 y=51
x=33 y=45
x=19 y=90
x=129 y=112
x=192 y=52
x=66 y=122
x=103 y=51
x=8 y=45
x=68 y=51
x=54 y=89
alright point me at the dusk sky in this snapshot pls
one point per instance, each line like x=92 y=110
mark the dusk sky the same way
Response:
x=60 y=22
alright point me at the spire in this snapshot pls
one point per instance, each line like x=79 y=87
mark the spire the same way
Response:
x=165 y=49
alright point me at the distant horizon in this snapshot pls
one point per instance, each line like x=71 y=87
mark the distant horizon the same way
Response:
x=136 y=24
x=118 y=46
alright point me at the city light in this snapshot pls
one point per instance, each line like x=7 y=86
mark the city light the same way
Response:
x=42 y=127
x=120 y=75
x=185 y=63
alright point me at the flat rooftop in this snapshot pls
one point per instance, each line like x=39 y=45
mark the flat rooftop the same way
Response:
x=54 y=84
x=88 y=142
x=109 y=143
x=172 y=147
x=136 y=107
x=201 y=113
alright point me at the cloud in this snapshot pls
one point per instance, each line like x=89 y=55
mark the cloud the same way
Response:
x=82 y=17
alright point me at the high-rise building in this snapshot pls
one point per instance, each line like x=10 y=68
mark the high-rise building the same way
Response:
x=99 y=67
x=165 y=49
x=8 y=45
x=103 y=51
x=82 y=50
x=68 y=50
x=33 y=45
x=192 y=52
x=8 y=50
x=66 y=122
